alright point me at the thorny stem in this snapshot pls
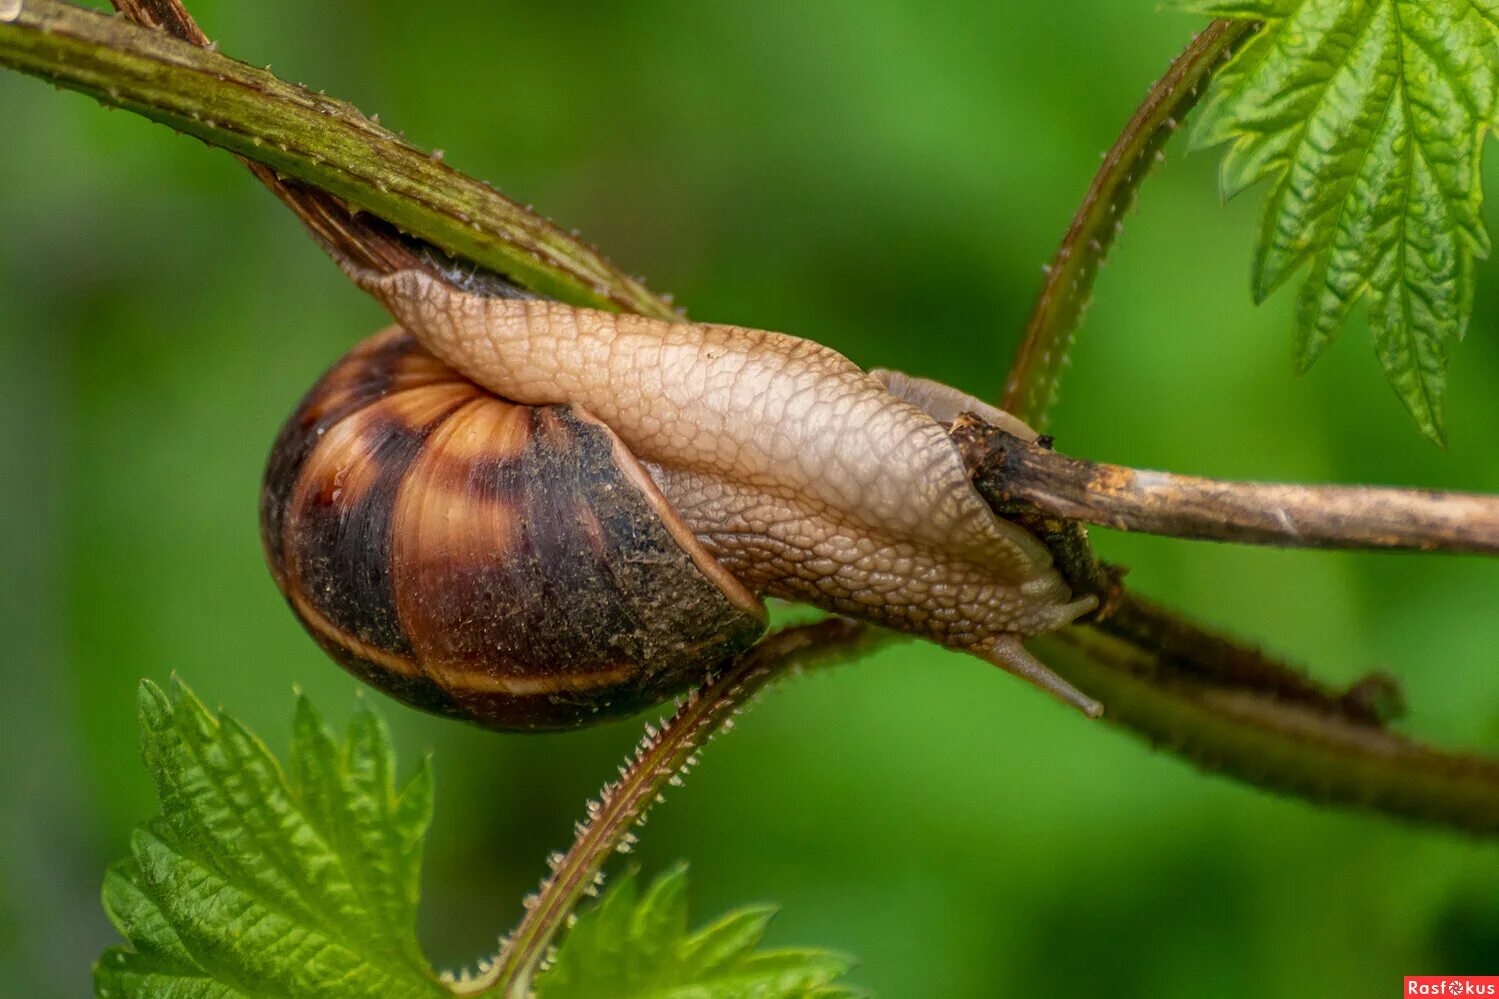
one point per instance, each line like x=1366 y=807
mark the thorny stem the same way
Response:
x=1227 y=707
x=309 y=137
x=366 y=239
x=1221 y=711
x=1031 y=386
x=662 y=758
x=1199 y=660
x=1219 y=703
x=1036 y=372
x=1020 y=476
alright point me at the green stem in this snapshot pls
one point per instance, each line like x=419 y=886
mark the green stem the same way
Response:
x=1036 y=373
x=1230 y=709
x=1031 y=387
x=662 y=758
x=325 y=142
x=1175 y=685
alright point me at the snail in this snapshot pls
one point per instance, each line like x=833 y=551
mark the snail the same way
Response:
x=536 y=516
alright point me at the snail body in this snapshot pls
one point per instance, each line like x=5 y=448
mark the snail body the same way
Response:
x=771 y=465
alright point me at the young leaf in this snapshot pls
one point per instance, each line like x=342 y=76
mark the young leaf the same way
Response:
x=1367 y=117
x=257 y=883
x=633 y=947
x=254 y=882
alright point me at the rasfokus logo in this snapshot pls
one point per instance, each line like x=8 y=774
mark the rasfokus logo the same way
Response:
x=1451 y=985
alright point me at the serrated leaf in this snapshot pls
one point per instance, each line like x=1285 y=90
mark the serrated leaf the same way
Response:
x=254 y=884
x=1367 y=117
x=634 y=947
x=271 y=884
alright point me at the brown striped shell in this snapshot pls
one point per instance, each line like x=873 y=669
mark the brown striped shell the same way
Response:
x=511 y=565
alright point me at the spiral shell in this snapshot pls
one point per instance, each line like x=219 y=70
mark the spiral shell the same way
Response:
x=511 y=565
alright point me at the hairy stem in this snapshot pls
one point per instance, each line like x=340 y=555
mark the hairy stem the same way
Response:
x=324 y=142
x=1031 y=387
x=1018 y=475
x=662 y=758
x=1214 y=701
x=1226 y=715
x=1036 y=372
x=363 y=238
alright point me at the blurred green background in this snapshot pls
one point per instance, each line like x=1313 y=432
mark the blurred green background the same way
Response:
x=886 y=178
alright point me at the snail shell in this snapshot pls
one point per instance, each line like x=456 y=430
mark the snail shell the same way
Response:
x=512 y=565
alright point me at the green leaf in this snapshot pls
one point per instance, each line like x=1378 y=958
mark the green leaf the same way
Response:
x=257 y=883
x=254 y=882
x=1367 y=117
x=633 y=947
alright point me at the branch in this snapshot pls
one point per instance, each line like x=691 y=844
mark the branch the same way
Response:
x=1032 y=384
x=1228 y=707
x=1015 y=474
x=324 y=142
x=1234 y=711
x=1031 y=387
x=662 y=758
x=1152 y=657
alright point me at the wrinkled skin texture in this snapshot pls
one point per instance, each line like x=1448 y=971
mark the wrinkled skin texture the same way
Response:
x=806 y=476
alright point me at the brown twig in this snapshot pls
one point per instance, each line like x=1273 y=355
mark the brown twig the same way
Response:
x=1032 y=384
x=164 y=15
x=1234 y=709
x=1019 y=475
x=1204 y=695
